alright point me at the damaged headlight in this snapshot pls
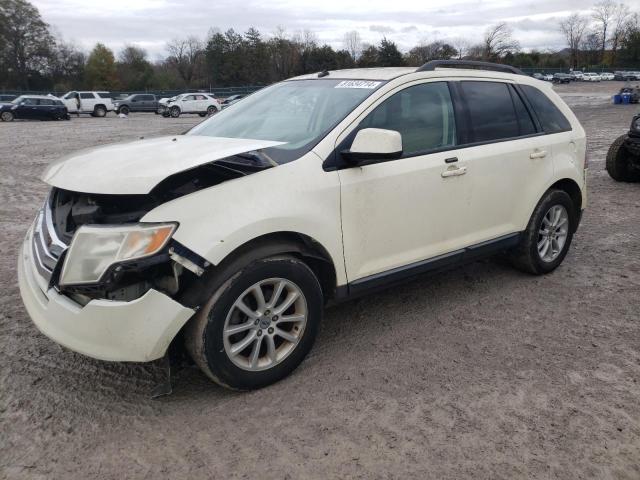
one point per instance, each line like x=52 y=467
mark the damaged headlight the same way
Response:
x=95 y=248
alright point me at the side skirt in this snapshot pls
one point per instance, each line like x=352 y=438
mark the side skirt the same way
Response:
x=398 y=275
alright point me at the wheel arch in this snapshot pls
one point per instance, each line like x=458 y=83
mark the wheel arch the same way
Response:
x=306 y=248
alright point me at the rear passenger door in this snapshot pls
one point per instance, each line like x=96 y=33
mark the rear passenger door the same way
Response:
x=507 y=157
x=87 y=101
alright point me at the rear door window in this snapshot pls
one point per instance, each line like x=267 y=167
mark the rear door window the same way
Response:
x=551 y=118
x=525 y=122
x=86 y=95
x=491 y=111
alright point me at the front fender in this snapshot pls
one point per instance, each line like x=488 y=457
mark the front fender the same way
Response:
x=295 y=197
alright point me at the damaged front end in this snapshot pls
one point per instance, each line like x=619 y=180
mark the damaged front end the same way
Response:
x=171 y=269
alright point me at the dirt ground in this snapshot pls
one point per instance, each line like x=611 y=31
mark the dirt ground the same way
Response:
x=482 y=372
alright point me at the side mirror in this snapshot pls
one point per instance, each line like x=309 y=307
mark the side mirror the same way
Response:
x=373 y=145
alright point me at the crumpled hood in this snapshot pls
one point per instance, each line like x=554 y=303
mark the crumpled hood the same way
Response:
x=138 y=166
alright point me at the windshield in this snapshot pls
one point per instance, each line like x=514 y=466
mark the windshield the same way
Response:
x=297 y=112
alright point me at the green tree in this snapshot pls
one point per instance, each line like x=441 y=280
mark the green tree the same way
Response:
x=100 y=72
x=389 y=55
x=25 y=43
x=134 y=70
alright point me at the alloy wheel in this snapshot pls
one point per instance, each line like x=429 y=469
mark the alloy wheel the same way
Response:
x=553 y=233
x=265 y=324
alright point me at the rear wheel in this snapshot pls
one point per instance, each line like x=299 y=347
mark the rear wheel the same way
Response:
x=258 y=325
x=7 y=117
x=99 y=111
x=619 y=165
x=212 y=110
x=545 y=242
x=174 y=112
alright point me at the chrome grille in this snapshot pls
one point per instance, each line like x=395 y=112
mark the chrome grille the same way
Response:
x=46 y=246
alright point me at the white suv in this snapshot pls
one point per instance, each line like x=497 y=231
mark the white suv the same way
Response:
x=229 y=239
x=97 y=104
x=200 y=103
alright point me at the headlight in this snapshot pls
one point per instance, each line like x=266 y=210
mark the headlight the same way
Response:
x=95 y=248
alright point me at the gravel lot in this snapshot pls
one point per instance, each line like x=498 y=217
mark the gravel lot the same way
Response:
x=481 y=372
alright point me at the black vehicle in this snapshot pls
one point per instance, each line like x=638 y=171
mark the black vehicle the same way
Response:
x=138 y=102
x=5 y=98
x=626 y=76
x=562 y=78
x=623 y=157
x=34 y=107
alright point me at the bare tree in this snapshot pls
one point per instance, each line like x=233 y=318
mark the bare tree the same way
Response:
x=353 y=44
x=603 y=14
x=185 y=55
x=621 y=18
x=462 y=45
x=498 y=41
x=573 y=28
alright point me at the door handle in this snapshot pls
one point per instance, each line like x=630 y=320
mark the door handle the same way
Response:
x=538 y=154
x=454 y=172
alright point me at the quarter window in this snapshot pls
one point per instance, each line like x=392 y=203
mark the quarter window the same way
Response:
x=423 y=114
x=551 y=118
x=491 y=111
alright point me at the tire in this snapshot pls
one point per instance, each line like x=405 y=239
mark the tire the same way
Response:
x=7 y=116
x=211 y=349
x=202 y=114
x=165 y=114
x=174 y=112
x=619 y=162
x=212 y=110
x=124 y=110
x=99 y=111
x=526 y=256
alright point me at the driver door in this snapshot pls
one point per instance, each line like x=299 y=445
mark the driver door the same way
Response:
x=400 y=212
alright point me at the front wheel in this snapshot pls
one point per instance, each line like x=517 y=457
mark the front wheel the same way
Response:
x=7 y=117
x=124 y=110
x=174 y=112
x=545 y=242
x=212 y=110
x=259 y=325
x=619 y=162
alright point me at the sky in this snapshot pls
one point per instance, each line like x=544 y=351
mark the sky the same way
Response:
x=151 y=23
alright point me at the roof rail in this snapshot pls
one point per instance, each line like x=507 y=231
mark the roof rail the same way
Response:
x=433 y=64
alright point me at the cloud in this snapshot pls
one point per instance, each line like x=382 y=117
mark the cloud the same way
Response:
x=153 y=22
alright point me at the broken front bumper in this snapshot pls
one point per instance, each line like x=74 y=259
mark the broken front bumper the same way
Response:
x=136 y=331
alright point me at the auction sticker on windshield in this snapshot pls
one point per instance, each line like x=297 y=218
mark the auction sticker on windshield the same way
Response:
x=357 y=84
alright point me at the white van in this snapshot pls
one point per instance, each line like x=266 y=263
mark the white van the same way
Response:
x=231 y=238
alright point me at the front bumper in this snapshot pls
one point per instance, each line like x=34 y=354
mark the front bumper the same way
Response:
x=136 y=331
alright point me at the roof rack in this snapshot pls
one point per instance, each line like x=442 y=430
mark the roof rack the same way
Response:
x=433 y=64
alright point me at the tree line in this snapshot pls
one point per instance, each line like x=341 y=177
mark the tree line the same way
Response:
x=33 y=58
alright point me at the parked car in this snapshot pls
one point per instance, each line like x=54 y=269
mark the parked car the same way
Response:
x=34 y=107
x=591 y=77
x=625 y=76
x=97 y=104
x=607 y=76
x=227 y=102
x=202 y=104
x=562 y=78
x=6 y=98
x=548 y=77
x=163 y=102
x=623 y=157
x=230 y=239
x=138 y=102
x=538 y=76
